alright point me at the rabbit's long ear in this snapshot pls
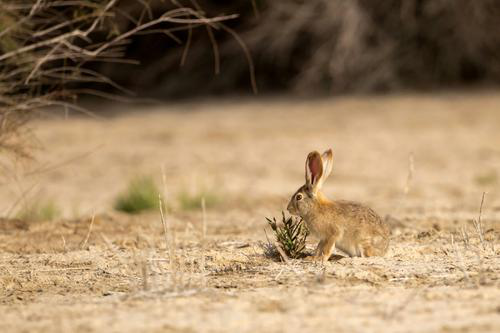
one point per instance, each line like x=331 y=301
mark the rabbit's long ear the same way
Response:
x=327 y=158
x=314 y=171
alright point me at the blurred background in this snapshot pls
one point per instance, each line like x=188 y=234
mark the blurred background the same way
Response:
x=358 y=64
x=316 y=47
x=321 y=47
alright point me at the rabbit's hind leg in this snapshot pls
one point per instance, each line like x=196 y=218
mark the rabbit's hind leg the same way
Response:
x=366 y=248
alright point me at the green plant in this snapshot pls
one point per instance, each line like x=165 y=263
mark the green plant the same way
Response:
x=486 y=178
x=40 y=211
x=141 y=195
x=192 y=201
x=291 y=235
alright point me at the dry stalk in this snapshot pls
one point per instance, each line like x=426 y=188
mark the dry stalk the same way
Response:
x=84 y=243
x=169 y=246
x=478 y=226
x=180 y=274
x=203 y=236
x=282 y=253
x=465 y=236
x=163 y=221
x=50 y=270
x=409 y=177
x=408 y=182
x=65 y=249
x=145 y=275
x=255 y=9
x=181 y=266
x=170 y=239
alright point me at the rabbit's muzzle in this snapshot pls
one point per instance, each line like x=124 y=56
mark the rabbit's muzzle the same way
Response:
x=291 y=208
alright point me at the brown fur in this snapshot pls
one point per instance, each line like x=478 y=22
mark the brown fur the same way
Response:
x=351 y=227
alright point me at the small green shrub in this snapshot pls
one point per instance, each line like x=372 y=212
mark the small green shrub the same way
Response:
x=290 y=236
x=40 y=211
x=487 y=178
x=192 y=201
x=141 y=195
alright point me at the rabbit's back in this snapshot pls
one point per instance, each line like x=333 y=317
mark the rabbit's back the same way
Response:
x=363 y=230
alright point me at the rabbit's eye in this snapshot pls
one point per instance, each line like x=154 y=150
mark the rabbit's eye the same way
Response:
x=298 y=197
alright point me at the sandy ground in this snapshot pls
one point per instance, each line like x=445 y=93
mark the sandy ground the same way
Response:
x=115 y=274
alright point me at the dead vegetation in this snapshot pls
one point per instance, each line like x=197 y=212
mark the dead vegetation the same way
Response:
x=336 y=47
x=48 y=47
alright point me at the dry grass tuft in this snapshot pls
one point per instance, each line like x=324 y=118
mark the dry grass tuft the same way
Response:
x=46 y=48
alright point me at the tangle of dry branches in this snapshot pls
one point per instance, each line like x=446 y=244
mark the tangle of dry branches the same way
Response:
x=44 y=47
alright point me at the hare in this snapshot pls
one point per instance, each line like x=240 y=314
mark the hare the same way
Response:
x=351 y=227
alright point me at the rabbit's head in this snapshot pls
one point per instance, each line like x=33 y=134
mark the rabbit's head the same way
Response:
x=307 y=197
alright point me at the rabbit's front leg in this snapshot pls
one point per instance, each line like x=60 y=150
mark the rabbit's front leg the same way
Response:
x=319 y=248
x=327 y=248
x=317 y=253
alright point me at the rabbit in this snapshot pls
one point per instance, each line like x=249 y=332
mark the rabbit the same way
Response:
x=349 y=226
